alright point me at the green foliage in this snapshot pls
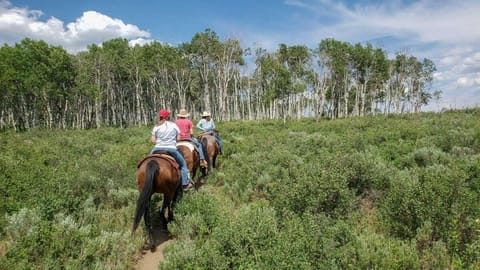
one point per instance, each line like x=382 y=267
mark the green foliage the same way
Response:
x=198 y=215
x=69 y=198
x=394 y=192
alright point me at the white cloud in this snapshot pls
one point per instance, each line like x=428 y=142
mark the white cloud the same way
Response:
x=444 y=31
x=473 y=60
x=92 y=27
x=463 y=81
x=425 y=21
x=297 y=3
x=471 y=81
x=140 y=41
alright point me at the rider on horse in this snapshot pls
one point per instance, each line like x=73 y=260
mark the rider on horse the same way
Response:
x=206 y=124
x=186 y=131
x=164 y=137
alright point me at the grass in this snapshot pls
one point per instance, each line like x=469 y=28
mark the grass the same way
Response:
x=389 y=192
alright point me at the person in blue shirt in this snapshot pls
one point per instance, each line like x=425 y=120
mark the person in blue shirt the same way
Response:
x=206 y=124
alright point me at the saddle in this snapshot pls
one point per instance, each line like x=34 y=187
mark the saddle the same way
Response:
x=212 y=133
x=162 y=155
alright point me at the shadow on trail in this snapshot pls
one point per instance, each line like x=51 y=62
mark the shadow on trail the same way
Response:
x=160 y=235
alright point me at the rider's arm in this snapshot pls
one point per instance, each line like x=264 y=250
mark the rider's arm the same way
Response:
x=153 y=139
x=199 y=125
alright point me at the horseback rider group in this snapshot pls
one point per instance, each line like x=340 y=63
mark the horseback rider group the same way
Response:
x=166 y=134
x=159 y=173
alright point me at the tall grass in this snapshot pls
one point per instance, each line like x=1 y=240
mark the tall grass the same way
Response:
x=384 y=192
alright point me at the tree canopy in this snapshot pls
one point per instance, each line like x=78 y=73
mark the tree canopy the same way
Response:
x=114 y=84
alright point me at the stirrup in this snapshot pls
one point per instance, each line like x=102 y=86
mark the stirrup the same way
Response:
x=188 y=186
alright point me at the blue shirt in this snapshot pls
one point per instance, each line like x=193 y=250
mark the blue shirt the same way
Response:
x=205 y=125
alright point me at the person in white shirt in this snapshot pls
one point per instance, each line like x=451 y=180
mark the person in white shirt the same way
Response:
x=164 y=137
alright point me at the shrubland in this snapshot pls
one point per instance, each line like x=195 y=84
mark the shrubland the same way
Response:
x=378 y=192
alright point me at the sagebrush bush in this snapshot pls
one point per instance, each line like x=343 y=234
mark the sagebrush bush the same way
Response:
x=424 y=157
x=377 y=192
x=198 y=214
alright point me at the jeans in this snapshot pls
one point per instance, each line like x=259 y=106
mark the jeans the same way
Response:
x=199 y=147
x=220 y=143
x=180 y=160
x=219 y=140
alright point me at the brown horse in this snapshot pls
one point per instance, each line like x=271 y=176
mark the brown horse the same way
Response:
x=157 y=173
x=191 y=156
x=210 y=148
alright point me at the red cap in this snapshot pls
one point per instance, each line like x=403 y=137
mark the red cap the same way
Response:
x=163 y=114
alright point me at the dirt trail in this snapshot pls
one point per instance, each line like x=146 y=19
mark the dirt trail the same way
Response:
x=150 y=260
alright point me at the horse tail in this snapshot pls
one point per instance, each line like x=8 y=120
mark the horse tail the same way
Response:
x=147 y=191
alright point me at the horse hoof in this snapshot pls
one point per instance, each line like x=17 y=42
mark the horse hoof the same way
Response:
x=153 y=248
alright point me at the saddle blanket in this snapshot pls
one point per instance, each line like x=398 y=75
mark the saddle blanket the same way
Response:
x=166 y=157
x=188 y=144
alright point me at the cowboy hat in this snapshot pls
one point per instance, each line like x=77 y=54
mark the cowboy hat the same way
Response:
x=205 y=114
x=183 y=113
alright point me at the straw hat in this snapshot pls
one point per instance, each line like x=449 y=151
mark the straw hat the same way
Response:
x=183 y=113
x=205 y=114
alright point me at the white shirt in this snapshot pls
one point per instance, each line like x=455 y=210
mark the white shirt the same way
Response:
x=166 y=135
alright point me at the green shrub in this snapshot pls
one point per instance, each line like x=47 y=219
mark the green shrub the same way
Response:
x=424 y=157
x=315 y=189
x=433 y=253
x=197 y=214
x=437 y=196
x=380 y=192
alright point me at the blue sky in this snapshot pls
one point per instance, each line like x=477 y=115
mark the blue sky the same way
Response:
x=445 y=31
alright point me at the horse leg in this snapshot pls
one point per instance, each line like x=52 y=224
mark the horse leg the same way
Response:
x=210 y=163
x=167 y=203
x=207 y=156
x=193 y=174
x=177 y=196
x=148 y=226
x=162 y=214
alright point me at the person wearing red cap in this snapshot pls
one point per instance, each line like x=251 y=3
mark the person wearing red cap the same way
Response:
x=164 y=137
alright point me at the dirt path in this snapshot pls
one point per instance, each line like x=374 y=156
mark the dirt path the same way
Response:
x=150 y=260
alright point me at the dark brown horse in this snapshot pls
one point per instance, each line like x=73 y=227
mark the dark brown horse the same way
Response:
x=192 y=158
x=210 y=148
x=157 y=173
